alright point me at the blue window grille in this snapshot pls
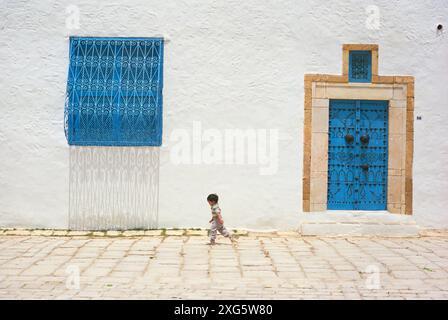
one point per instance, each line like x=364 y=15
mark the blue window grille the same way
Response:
x=114 y=92
x=360 y=66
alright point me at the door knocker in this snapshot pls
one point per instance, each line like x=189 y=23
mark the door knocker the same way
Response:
x=349 y=138
x=365 y=167
x=365 y=139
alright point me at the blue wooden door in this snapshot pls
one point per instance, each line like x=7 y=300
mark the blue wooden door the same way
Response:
x=357 y=155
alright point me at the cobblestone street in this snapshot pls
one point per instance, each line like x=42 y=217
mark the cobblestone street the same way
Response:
x=256 y=266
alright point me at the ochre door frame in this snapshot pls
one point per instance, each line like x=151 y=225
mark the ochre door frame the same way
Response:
x=398 y=90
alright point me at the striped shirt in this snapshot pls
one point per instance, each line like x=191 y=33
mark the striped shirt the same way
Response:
x=215 y=211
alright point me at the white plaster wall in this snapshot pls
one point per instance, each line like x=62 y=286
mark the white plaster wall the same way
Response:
x=228 y=64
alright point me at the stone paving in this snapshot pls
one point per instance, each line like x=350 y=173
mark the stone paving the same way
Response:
x=257 y=266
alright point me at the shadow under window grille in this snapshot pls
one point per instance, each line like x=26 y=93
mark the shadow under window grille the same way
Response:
x=113 y=188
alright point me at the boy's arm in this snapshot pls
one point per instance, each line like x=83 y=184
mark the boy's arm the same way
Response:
x=213 y=216
x=215 y=213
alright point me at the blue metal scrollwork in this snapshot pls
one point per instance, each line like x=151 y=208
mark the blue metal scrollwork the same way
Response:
x=357 y=171
x=360 y=66
x=114 y=92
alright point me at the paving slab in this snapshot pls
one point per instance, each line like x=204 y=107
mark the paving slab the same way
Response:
x=158 y=264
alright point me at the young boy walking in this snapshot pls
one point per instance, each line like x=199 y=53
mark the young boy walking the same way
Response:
x=216 y=220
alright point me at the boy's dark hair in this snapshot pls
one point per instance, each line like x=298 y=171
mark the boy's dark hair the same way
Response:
x=213 y=197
